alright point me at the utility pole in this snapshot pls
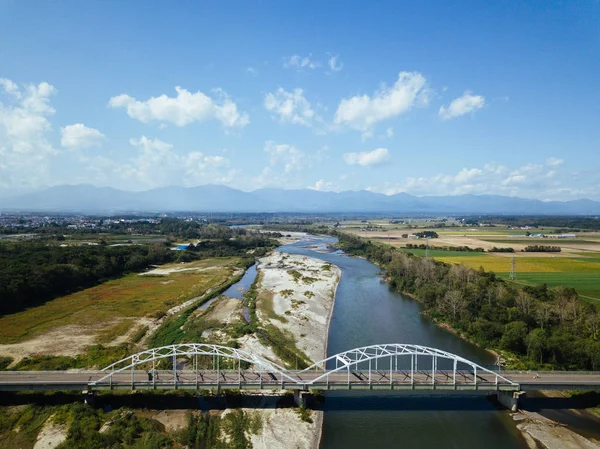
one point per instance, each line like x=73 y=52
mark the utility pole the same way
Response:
x=427 y=249
x=513 y=273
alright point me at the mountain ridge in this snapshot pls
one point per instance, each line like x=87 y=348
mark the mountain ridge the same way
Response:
x=218 y=198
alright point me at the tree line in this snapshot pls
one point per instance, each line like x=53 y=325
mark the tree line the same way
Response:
x=543 y=327
x=542 y=249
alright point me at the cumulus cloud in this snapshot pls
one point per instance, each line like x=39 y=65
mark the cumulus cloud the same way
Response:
x=368 y=158
x=554 y=162
x=290 y=158
x=158 y=164
x=183 y=109
x=285 y=168
x=10 y=87
x=299 y=62
x=79 y=136
x=335 y=65
x=25 y=152
x=290 y=107
x=325 y=186
x=532 y=180
x=462 y=105
x=361 y=112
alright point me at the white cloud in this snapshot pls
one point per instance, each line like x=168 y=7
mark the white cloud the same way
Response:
x=554 y=162
x=299 y=62
x=461 y=106
x=389 y=133
x=291 y=158
x=290 y=107
x=361 y=112
x=158 y=164
x=528 y=181
x=80 y=136
x=335 y=65
x=183 y=109
x=285 y=168
x=368 y=158
x=251 y=71
x=25 y=152
x=10 y=87
x=325 y=186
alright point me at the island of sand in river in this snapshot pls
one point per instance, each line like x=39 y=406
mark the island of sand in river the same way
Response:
x=296 y=295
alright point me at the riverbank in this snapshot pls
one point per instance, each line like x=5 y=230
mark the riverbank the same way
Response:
x=540 y=431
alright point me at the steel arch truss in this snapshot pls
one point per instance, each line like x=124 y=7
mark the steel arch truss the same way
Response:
x=351 y=368
x=355 y=358
x=151 y=356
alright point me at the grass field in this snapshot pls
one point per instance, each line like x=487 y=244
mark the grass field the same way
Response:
x=588 y=254
x=438 y=253
x=109 y=309
x=586 y=284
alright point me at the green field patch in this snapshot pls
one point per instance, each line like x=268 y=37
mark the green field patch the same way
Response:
x=437 y=253
x=586 y=284
x=588 y=254
x=108 y=304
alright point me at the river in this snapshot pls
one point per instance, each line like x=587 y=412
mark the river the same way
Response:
x=368 y=312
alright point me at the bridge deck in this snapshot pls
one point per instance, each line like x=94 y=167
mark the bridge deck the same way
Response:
x=397 y=380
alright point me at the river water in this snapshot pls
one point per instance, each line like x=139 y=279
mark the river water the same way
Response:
x=368 y=312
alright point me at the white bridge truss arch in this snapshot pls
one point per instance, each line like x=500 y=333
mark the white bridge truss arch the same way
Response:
x=396 y=364
x=172 y=352
x=359 y=357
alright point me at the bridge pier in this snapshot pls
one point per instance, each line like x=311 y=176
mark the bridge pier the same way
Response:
x=510 y=399
x=300 y=397
x=89 y=397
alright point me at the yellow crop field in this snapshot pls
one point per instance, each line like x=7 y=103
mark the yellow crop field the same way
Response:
x=110 y=308
x=501 y=264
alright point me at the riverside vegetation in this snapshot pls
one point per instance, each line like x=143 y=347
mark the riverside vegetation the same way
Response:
x=535 y=327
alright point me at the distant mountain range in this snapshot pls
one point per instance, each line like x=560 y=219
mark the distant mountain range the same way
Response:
x=216 y=198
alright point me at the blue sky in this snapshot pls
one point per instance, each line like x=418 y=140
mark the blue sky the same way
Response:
x=422 y=97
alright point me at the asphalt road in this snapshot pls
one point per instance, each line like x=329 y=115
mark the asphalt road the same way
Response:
x=81 y=379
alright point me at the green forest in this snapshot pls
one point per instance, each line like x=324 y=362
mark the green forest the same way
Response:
x=534 y=327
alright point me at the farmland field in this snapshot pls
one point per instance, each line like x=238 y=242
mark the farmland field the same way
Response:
x=441 y=254
x=586 y=284
x=499 y=264
x=111 y=309
x=542 y=241
x=577 y=266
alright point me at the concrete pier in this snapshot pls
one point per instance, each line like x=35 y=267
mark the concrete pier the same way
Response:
x=510 y=399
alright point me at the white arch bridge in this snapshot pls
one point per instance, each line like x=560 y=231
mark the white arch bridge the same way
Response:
x=388 y=366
